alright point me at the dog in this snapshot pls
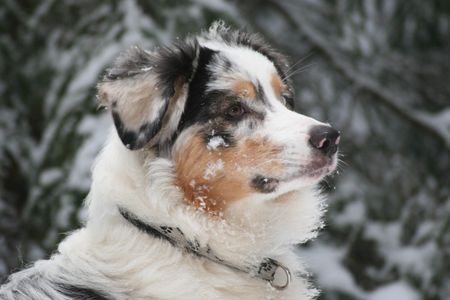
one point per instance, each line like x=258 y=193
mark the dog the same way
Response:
x=204 y=187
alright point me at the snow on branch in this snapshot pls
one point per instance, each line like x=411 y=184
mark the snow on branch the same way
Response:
x=437 y=124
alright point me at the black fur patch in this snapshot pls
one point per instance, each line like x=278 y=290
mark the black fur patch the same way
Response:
x=80 y=293
x=137 y=139
x=175 y=62
x=260 y=95
x=196 y=100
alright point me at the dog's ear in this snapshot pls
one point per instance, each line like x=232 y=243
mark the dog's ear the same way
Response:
x=141 y=87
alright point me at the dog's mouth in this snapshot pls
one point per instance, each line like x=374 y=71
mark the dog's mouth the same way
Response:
x=321 y=167
x=315 y=171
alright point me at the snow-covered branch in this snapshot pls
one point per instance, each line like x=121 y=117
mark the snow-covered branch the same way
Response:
x=438 y=124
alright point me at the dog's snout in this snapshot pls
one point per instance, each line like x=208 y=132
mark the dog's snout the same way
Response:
x=324 y=138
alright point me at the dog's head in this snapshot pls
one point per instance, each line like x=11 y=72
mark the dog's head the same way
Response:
x=220 y=107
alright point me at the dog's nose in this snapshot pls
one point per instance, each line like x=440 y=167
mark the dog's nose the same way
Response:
x=324 y=138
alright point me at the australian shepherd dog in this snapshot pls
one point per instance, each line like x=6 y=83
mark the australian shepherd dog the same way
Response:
x=205 y=186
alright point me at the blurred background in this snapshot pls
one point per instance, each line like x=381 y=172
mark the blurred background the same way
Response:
x=377 y=70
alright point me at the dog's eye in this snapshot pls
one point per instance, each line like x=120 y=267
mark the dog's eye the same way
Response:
x=235 y=111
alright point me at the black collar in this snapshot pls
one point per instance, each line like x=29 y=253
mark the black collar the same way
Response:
x=265 y=270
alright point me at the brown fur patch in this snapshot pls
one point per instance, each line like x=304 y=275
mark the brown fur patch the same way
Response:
x=244 y=88
x=178 y=87
x=277 y=85
x=212 y=179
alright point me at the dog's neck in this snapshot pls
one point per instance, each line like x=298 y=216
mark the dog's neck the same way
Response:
x=246 y=233
x=268 y=269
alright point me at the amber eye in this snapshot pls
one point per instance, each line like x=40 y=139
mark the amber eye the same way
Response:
x=235 y=111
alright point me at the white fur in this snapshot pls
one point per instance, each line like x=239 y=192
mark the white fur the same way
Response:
x=112 y=256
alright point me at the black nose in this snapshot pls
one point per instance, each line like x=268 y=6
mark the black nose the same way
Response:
x=324 y=138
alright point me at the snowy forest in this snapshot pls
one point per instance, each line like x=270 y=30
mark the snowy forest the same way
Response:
x=377 y=70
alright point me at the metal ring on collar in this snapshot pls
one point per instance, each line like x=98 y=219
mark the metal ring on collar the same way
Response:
x=288 y=278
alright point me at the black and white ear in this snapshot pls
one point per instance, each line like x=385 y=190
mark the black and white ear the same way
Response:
x=143 y=88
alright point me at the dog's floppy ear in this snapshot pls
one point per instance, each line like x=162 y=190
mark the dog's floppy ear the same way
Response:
x=142 y=85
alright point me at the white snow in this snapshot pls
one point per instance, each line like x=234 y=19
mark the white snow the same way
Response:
x=353 y=213
x=65 y=211
x=440 y=122
x=215 y=142
x=192 y=183
x=96 y=128
x=212 y=168
x=49 y=176
x=399 y=290
x=413 y=259
x=325 y=263
x=146 y=69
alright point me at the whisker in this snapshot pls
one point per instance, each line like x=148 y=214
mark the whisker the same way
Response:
x=298 y=71
x=342 y=162
x=308 y=55
x=293 y=165
x=325 y=180
x=293 y=160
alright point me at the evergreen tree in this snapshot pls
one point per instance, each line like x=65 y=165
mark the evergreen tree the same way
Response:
x=378 y=70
